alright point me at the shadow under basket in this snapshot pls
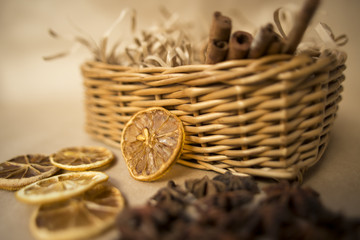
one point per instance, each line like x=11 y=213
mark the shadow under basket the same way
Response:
x=267 y=117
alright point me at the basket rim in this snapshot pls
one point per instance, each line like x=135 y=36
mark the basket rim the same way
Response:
x=332 y=54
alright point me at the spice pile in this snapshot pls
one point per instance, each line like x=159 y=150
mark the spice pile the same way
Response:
x=233 y=207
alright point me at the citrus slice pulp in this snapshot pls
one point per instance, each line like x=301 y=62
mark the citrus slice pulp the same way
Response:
x=82 y=216
x=81 y=158
x=23 y=170
x=60 y=187
x=151 y=142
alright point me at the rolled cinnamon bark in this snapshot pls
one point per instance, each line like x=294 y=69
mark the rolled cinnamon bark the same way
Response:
x=301 y=22
x=275 y=46
x=261 y=41
x=219 y=35
x=239 y=45
x=220 y=27
x=216 y=51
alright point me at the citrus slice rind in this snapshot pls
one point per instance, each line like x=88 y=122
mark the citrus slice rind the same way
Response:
x=81 y=158
x=80 y=217
x=152 y=140
x=60 y=187
x=24 y=170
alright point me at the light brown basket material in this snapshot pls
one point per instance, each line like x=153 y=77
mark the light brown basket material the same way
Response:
x=267 y=117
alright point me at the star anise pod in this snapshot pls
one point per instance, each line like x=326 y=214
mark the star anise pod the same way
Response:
x=198 y=231
x=172 y=197
x=242 y=223
x=234 y=182
x=303 y=201
x=276 y=190
x=227 y=201
x=144 y=222
x=204 y=187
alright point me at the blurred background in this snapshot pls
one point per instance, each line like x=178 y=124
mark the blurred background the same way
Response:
x=24 y=39
x=41 y=102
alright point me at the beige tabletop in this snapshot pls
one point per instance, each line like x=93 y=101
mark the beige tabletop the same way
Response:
x=41 y=103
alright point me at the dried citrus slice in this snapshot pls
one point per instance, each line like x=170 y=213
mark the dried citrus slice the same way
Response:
x=23 y=170
x=82 y=216
x=81 y=158
x=60 y=187
x=151 y=142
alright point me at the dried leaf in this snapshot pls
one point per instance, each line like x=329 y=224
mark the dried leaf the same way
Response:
x=163 y=45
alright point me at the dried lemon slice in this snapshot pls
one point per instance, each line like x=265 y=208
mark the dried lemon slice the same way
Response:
x=151 y=142
x=79 y=217
x=81 y=158
x=60 y=187
x=23 y=170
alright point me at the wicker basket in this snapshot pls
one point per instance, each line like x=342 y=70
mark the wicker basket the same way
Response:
x=267 y=117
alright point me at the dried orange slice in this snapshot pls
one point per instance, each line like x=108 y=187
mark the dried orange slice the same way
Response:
x=81 y=158
x=23 y=170
x=82 y=217
x=60 y=187
x=151 y=142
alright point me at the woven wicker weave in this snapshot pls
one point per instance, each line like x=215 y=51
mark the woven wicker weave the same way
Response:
x=267 y=117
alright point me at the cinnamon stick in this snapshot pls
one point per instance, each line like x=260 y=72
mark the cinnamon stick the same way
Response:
x=219 y=35
x=216 y=51
x=261 y=41
x=302 y=21
x=239 y=45
x=220 y=27
x=276 y=45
